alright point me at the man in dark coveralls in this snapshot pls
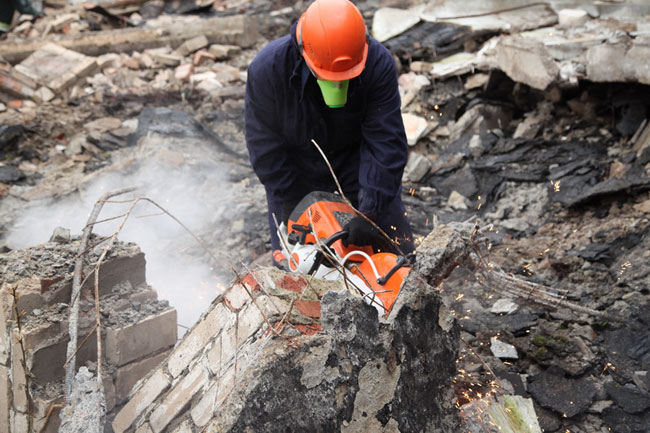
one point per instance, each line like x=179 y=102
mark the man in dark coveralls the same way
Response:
x=328 y=80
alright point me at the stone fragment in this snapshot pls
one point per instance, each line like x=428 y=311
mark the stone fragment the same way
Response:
x=166 y=59
x=202 y=57
x=390 y=22
x=631 y=399
x=61 y=235
x=43 y=94
x=141 y=400
x=223 y=52
x=103 y=124
x=183 y=72
x=566 y=396
x=476 y=80
x=415 y=127
x=504 y=306
x=526 y=61
x=502 y=350
x=457 y=201
x=600 y=406
x=417 y=167
x=606 y=62
x=572 y=18
x=192 y=45
x=528 y=128
x=151 y=335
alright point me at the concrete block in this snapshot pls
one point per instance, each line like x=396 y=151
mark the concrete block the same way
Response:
x=109 y=393
x=19 y=388
x=223 y=52
x=5 y=398
x=198 y=338
x=636 y=62
x=141 y=400
x=4 y=336
x=151 y=335
x=214 y=357
x=229 y=344
x=125 y=267
x=606 y=62
x=19 y=422
x=202 y=412
x=226 y=384
x=127 y=376
x=41 y=408
x=526 y=61
x=165 y=59
x=237 y=297
x=178 y=398
x=568 y=18
x=192 y=45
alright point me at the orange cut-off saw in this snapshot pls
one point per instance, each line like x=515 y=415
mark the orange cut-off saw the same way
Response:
x=312 y=243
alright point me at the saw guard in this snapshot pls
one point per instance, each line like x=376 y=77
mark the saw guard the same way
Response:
x=383 y=262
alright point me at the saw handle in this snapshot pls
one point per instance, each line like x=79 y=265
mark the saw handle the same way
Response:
x=328 y=243
x=401 y=262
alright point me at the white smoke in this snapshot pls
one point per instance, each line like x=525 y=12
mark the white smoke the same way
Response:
x=196 y=196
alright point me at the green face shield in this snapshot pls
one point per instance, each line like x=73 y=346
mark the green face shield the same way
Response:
x=335 y=93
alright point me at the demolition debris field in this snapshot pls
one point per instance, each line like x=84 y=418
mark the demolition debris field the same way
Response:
x=532 y=125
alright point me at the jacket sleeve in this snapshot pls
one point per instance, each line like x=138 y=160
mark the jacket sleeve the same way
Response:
x=384 y=150
x=266 y=146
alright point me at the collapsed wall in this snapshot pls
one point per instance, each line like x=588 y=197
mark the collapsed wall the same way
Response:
x=138 y=331
x=280 y=352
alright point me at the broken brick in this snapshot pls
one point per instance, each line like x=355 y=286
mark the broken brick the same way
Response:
x=293 y=283
x=308 y=308
x=250 y=282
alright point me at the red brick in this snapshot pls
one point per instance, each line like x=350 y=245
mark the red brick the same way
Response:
x=309 y=329
x=293 y=284
x=15 y=104
x=202 y=57
x=308 y=308
x=250 y=282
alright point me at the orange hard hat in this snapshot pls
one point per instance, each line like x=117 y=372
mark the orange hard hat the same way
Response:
x=333 y=39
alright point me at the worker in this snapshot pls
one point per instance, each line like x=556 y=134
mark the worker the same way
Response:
x=330 y=81
x=9 y=7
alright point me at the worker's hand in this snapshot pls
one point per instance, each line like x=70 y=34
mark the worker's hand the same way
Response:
x=280 y=261
x=360 y=232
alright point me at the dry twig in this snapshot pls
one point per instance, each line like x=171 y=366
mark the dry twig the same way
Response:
x=338 y=185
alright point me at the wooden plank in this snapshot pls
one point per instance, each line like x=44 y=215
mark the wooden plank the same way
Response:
x=235 y=30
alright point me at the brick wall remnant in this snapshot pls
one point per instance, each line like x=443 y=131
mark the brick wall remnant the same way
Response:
x=138 y=330
x=256 y=361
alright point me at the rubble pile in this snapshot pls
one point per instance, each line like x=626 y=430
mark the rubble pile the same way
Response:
x=138 y=330
x=531 y=123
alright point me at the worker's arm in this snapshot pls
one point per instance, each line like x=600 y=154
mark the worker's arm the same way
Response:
x=266 y=147
x=384 y=150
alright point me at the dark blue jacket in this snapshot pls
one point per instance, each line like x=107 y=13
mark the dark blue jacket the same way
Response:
x=364 y=141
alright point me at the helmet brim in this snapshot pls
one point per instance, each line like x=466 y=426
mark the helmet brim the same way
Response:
x=324 y=74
